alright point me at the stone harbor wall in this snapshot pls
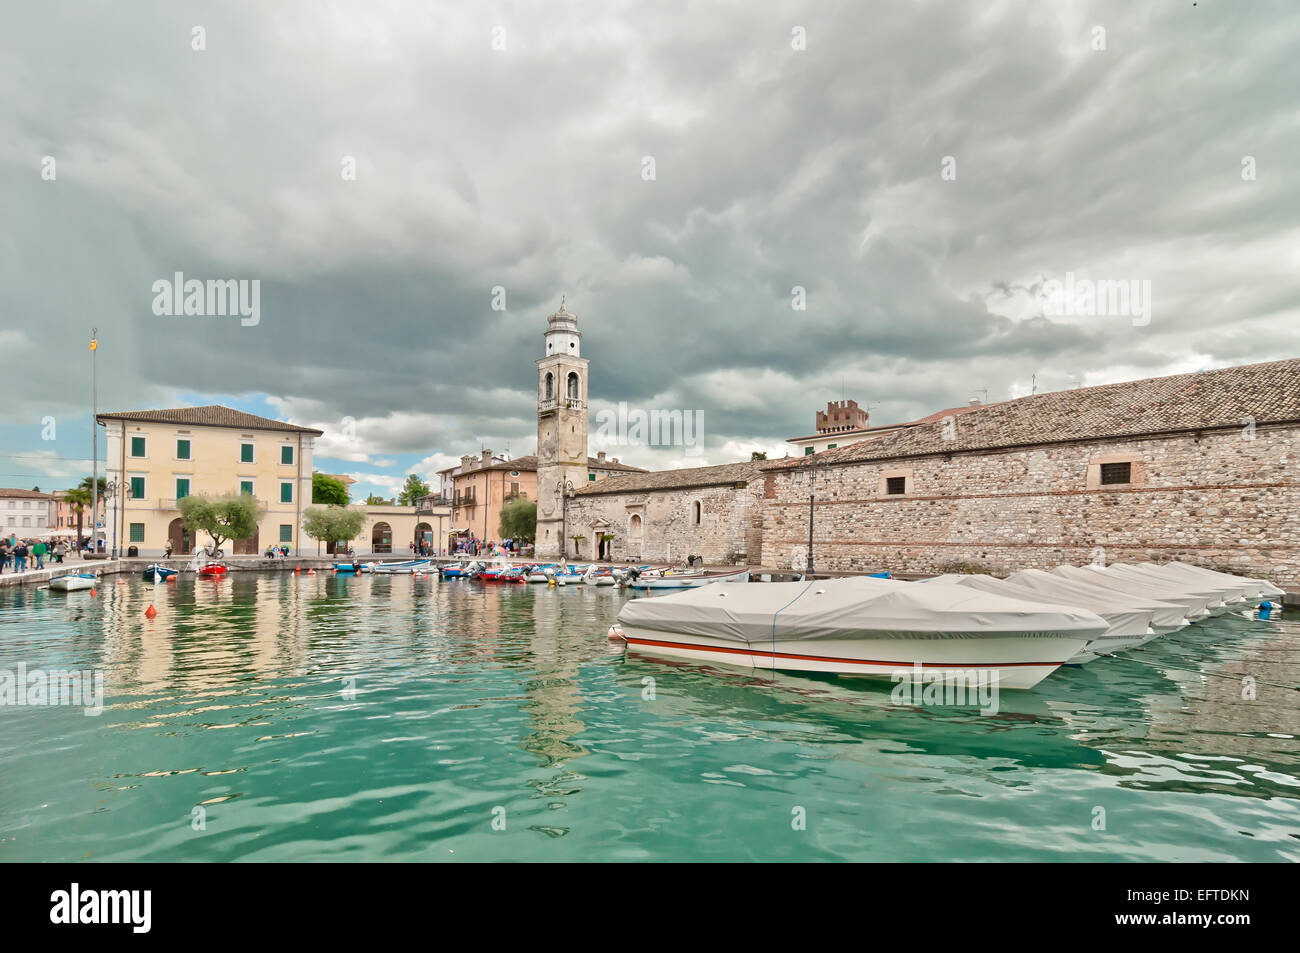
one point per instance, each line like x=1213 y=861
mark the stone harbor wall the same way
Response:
x=660 y=525
x=1225 y=499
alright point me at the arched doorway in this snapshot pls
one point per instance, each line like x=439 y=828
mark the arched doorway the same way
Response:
x=381 y=538
x=182 y=539
x=247 y=547
x=423 y=537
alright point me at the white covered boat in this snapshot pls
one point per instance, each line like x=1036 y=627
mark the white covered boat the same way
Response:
x=1127 y=627
x=74 y=582
x=1195 y=607
x=862 y=626
x=1223 y=596
x=1253 y=591
x=1166 y=617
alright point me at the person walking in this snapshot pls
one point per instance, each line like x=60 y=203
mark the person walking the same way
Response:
x=4 y=554
x=20 y=556
x=38 y=554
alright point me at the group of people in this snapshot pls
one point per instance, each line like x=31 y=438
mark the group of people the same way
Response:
x=19 y=555
x=471 y=546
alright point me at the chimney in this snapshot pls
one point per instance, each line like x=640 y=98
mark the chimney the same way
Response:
x=487 y=457
x=600 y=455
x=615 y=460
x=465 y=462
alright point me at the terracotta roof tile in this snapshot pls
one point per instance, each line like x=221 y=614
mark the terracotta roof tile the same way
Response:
x=211 y=415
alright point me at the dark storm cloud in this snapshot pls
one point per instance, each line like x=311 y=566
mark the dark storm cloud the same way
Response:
x=521 y=168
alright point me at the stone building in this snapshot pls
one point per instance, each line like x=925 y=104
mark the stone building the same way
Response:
x=668 y=515
x=1199 y=467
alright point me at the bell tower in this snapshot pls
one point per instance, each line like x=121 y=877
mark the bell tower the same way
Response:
x=561 y=430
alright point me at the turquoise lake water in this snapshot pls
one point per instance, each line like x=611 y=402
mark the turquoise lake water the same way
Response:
x=392 y=718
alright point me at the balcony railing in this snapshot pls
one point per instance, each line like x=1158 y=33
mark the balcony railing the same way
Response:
x=569 y=403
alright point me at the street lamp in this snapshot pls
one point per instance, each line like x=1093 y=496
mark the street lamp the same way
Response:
x=811 y=470
x=110 y=491
x=565 y=489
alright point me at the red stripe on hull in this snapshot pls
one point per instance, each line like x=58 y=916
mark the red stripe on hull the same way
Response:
x=633 y=640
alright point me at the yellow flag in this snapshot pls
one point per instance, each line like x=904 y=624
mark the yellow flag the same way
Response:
x=93 y=344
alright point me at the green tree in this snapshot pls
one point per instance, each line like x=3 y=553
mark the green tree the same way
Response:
x=230 y=516
x=332 y=524
x=326 y=489
x=758 y=455
x=78 y=499
x=518 y=520
x=373 y=500
x=412 y=490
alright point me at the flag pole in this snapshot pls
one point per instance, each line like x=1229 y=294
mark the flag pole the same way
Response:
x=94 y=441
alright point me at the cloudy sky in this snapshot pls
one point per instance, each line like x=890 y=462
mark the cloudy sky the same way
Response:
x=920 y=169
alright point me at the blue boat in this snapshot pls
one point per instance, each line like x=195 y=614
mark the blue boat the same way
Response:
x=157 y=573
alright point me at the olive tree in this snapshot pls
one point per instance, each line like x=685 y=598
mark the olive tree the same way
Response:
x=333 y=524
x=230 y=516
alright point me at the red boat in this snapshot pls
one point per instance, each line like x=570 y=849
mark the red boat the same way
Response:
x=213 y=569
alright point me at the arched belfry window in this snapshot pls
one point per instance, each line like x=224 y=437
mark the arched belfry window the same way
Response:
x=550 y=386
x=575 y=388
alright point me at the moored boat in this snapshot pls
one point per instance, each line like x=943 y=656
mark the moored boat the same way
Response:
x=685 y=580
x=74 y=582
x=158 y=573
x=861 y=626
x=214 y=570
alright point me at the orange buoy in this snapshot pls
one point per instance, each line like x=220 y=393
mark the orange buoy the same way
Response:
x=172 y=578
x=296 y=570
x=92 y=591
x=150 y=612
x=311 y=572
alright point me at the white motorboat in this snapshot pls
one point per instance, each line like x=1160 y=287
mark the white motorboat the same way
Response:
x=1222 y=597
x=405 y=568
x=1251 y=591
x=1127 y=628
x=74 y=582
x=1166 y=617
x=862 y=626
x=1195 y=607
x=1263 y=588
x=685 y=580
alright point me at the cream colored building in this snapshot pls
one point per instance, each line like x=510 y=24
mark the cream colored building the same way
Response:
x=155 y=457
x=390 y=528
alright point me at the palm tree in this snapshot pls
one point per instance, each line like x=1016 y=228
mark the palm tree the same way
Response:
x=79 y=499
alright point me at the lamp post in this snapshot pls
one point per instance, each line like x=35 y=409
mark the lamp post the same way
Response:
x=94 y=437
x=110 y=491
x=565 y=488
x=811 y=469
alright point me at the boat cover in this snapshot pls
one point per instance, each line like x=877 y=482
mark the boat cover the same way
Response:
x=1254 y=587
x=1121 y=617
x=1214 y=591
x=856 y=608
x=1076 y=592
x=1197 y=606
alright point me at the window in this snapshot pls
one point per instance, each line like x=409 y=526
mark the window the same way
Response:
x=137 y=446
x=1112 y=473
x=807 y=451
x=246 y=487
x=695 y=508
x=137 y=488
x=591 y=478
x=575 y=388
x=182 y=449
x=137 y=532
x=286 y=456
x=286 y=532
x=182 y=488
x=896 y=486
x=550 y=386
x=245 y=453
x=286 y=492
x=636 y=525
x=831 y=446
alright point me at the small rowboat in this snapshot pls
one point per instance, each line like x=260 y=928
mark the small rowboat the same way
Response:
x=74 y=582
x=158 y=573
x=401 y=569
x=214 y=570
x=688 y=580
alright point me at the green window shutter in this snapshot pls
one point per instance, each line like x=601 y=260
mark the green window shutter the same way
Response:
x=831 y=446
x=591 y=478
x=807 y=451
x=182 y=449
x=286 y=492
x=286 y=456
x=137 y=446
x=245 y=453
x=286 y=533
x=246 y=487
x=137 y=488
x=137 y=532
x=182 y=489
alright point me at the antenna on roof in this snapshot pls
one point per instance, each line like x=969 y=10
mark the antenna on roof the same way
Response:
x=984 y=391
x=1034 y=389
